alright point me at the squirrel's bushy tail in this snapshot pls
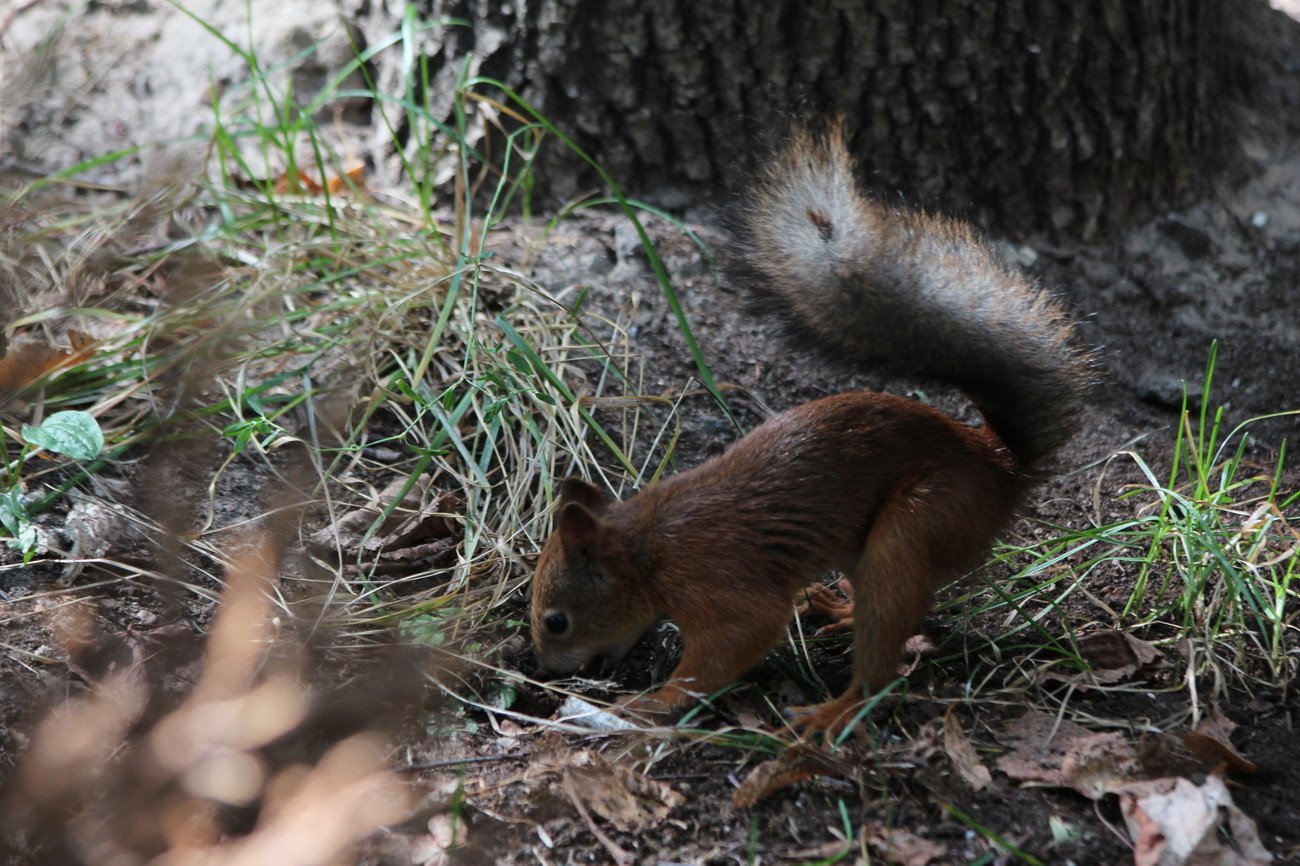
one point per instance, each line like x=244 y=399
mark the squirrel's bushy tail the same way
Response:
x=878 y=282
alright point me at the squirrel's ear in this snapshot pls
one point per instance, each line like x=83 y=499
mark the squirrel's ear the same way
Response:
x=584 y=493
x=577 y=526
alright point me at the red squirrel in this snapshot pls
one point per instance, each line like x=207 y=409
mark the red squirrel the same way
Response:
x=895 y=494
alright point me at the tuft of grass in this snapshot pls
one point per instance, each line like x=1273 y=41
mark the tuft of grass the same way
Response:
x=1211 y=555
x=1225 y=540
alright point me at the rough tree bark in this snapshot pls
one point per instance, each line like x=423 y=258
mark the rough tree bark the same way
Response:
x=1028 y=112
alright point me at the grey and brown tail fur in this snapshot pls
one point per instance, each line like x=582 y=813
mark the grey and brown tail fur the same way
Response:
x=875 y=282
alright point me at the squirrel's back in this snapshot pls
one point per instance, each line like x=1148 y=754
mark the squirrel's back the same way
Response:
x=878 y=282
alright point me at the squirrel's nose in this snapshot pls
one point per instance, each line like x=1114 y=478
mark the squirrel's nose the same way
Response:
x=558 y=662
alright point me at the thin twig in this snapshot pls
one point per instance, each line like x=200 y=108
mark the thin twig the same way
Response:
x=456 y=762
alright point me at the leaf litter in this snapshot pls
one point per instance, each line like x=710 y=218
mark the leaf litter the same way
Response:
x=1172 y=820
x=395 y=532
x=628 y=799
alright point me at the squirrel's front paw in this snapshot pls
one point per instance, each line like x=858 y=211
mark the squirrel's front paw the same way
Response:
x=656 y=706
x=652 y=705
x=824 y=601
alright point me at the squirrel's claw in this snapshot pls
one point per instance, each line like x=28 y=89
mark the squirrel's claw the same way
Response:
x=828 y=718
x=824 y=600
x=654 y=707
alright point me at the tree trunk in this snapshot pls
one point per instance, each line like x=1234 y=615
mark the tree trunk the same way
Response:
x=1057 y=113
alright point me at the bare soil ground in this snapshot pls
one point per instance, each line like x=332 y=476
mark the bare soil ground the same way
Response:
x=1151 y=299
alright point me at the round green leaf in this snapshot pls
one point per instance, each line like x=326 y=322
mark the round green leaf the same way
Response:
x=75 y=434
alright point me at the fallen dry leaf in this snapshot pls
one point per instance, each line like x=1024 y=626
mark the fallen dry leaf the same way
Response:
x=900 y=846
x=1217 y=725
x=1211 y=742
x=1218 y=756
x=962 y=753
x=410 y=537
x=916 y=649
x=93 y=527
x=1174 y=822
x=627 y=799
x=1115 y=655
x=1048 y=751
x=796 y=764
x=923 y=746
x=1207 y=749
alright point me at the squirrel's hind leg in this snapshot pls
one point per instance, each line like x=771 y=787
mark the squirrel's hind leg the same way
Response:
x=922 y=538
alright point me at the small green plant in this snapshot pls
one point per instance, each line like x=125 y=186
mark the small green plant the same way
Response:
x=13 y=516
x=69 y=433
x=428 y=629
x=259 y=427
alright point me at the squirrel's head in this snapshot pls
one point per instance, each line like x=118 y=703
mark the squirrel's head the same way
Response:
x=587 y=604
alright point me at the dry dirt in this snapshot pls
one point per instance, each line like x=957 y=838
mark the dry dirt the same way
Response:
x=1151 y=300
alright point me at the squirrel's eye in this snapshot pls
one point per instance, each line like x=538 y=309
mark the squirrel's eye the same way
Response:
x=556 y=623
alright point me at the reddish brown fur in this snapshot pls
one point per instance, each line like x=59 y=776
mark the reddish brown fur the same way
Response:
x=898 y=496
x=892 y=492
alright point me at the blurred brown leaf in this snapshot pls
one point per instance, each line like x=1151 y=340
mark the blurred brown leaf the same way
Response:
x=1211 y=742
x=256 y=764
x=797 y=763
x=1115 y=655
x=629 y=800
x=900 y=846
x=409 y=537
